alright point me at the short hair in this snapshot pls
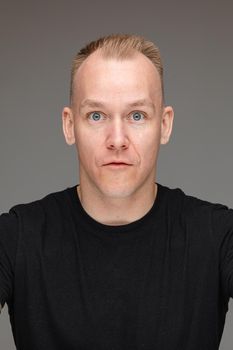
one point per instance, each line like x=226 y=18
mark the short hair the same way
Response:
x=119 y=46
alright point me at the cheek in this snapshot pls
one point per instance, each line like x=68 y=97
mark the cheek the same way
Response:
x=86 y=145
x=148 y=144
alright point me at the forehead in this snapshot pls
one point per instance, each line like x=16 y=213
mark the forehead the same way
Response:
x=111 y=77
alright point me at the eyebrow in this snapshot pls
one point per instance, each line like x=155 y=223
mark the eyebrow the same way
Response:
x=98 y=104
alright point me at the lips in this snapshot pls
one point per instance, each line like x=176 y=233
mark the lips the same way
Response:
x=117 y=163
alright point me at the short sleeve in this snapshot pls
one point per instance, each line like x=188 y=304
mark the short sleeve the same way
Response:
x=8 y=246
x=222 y=219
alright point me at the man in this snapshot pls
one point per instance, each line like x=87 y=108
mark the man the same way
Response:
x=118 y=261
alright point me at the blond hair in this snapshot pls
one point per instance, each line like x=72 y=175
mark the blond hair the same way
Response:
x=119 y=46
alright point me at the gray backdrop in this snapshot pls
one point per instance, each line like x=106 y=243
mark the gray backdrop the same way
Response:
x=37 y=43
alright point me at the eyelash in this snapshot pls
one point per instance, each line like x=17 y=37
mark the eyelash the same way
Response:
x=139 y=112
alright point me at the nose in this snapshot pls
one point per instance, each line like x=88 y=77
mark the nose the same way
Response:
x=117 y=138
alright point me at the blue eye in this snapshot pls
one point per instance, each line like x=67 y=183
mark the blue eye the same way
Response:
x=95 y=116
x=138 y=116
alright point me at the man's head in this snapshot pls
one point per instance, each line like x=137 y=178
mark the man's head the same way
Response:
x=117 y=116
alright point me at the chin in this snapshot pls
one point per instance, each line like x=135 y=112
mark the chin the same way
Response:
x=117 y=191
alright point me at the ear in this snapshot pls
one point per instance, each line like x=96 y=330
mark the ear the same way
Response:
x=68 y=125
x=166 y=124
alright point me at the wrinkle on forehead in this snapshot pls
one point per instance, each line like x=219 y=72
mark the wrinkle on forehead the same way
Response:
x=110 y=72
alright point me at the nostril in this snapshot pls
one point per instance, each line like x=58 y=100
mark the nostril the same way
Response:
x=117 y=141
x=115 y=146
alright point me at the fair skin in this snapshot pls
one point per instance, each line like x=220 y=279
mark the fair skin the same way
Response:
x=117 y=121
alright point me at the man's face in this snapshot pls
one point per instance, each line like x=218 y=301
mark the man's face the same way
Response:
x=117 y=122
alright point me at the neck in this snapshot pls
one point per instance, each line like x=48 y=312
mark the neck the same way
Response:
x=118 y=211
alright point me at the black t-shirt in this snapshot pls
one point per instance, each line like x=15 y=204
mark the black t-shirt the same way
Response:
x=161 y=282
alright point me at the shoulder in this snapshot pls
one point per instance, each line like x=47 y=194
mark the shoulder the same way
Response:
x=202 y=219
x=191 y=203
x=34 y=212
x=216 y=212
x=198 y=211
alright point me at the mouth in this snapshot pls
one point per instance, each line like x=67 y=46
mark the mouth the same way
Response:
x=117 y=165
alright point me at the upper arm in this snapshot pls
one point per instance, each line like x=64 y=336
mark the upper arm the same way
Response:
x=223 y=230
x=8 y=243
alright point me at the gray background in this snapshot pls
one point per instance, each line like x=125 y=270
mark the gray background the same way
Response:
x=37 y=43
